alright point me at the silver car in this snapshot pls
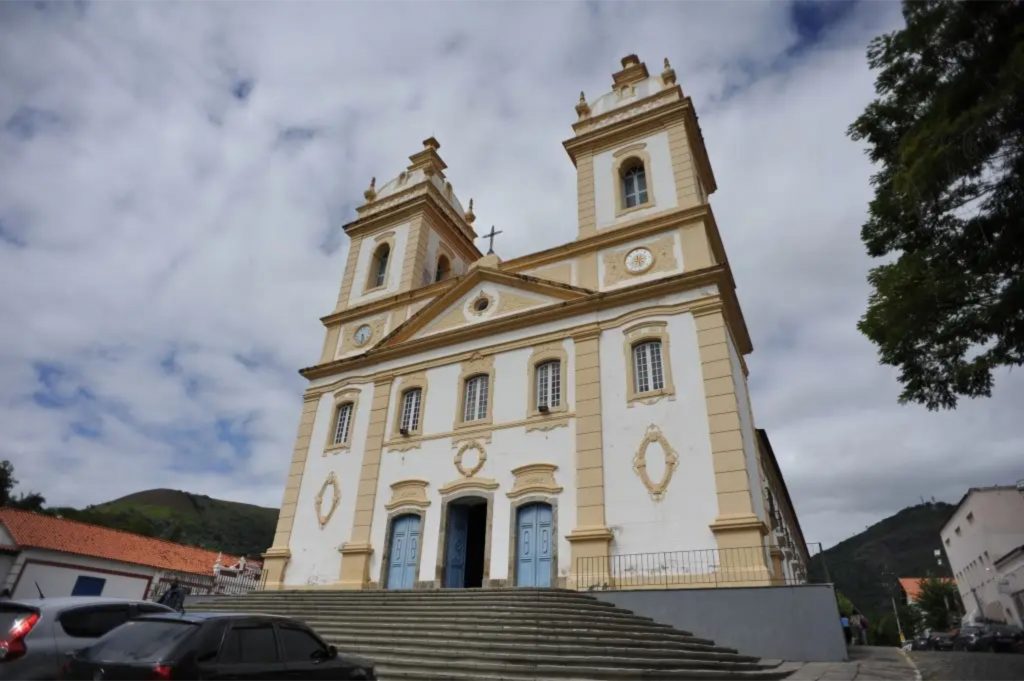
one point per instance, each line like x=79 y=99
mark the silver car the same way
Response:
x=39 y=632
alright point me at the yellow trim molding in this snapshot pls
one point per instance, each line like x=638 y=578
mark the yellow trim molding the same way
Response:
x=330 y=484
x=635 y=154
x=408 y=493
x=481 y=459
x=406 y=383
x=342 y=397
x=477 y=365
x=534 y=478
x=540 y=355
x=655 y=436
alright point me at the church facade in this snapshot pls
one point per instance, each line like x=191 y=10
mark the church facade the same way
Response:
x=565 y=418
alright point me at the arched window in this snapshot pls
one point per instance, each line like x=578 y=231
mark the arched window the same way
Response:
x=549 y=384
x=342 y=423
x=379 y=265
x=475 y=398
x=411 y=401
x=444 y=268
x=648 y=373
x=634 y=183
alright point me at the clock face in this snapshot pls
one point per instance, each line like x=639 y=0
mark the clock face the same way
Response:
x=639 y=260
x=363 y=334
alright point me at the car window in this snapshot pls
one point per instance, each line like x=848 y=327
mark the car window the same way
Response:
x=249 y=644
x=94 y=621
x=300 y=645
x=140 y=641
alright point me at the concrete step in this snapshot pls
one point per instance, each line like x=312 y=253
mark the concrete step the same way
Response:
x=545 y=644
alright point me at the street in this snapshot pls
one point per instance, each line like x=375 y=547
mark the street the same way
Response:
x=968 y=666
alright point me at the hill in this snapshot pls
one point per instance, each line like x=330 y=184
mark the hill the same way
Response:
x=865 y=566
x=193 y=519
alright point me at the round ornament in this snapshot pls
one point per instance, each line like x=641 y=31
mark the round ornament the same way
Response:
x=639 y=260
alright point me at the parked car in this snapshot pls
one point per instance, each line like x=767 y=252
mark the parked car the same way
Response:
x=39 y=632
x=214 y=646
x=941 y=640
x=995 y=637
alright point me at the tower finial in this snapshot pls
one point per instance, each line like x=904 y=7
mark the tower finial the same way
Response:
x=582 y=108
x=469 y=216
x=371 y=193
x=668 y=76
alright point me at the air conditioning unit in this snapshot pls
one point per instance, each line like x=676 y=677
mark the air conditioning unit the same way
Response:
x=543 y=408
x=404 y=432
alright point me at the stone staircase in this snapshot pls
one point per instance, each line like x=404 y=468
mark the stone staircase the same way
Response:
x=496 y=634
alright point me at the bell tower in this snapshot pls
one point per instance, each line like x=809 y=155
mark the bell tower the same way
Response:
x=409 y=233
x=638 y=151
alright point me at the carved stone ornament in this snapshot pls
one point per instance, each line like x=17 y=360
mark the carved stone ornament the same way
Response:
x=481 y=304
x=470 y=459
x=652 y=436
x=408 y=493
x=331 y=484
x=534 y=477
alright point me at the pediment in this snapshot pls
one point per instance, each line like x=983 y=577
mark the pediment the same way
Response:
x=483 y=295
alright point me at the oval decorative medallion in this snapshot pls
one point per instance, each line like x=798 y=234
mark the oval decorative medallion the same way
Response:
x=330 y=485
x=470 y=459
x=652 y=436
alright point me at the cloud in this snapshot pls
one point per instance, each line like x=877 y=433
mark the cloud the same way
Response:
x=173 y=179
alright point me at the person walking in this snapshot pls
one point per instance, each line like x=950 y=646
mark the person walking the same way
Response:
x=855 y=628
x=845 y=622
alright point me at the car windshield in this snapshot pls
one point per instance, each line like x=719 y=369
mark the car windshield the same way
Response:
x=140 y=641
x=10 y=614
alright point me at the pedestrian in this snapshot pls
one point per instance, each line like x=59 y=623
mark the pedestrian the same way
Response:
x=855 y=628
x=174 y=597
x=864 y=630
x=845 y=621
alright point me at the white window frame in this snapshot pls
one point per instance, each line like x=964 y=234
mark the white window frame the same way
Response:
x=343 y=423
x=548 y=383
x=648 y=367
x=412 y=406
x=634 y=186
x=476 y=395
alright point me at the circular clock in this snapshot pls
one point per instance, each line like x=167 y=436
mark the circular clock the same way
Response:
x=639 y=260
x=362 y=334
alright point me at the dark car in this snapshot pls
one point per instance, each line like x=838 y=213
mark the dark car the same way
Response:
x=36 y=633
x=995 y=637
x=214 y=646
x=941 y=640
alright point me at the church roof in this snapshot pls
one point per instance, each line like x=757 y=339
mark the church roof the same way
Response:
x=36 y=530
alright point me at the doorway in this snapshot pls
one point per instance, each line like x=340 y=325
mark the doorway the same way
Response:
x=404 y=550
x=465 y=543
x=533 y=545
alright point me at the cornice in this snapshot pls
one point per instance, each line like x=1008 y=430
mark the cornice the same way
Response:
x=717 y=274
x=648 y=113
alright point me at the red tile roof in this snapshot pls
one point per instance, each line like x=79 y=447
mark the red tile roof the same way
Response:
x=912 y=586
x=70 y=536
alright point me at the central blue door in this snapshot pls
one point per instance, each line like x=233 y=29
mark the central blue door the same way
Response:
x=533 y=546
x=455 y=560
x=405 y=548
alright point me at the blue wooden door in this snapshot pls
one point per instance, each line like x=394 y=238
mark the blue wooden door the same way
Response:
x=405 y=548
x=455 y=561
x=533 y=546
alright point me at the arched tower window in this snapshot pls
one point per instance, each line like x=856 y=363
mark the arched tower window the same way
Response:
x=444 y=268
x=634 y=183
x=379 y=265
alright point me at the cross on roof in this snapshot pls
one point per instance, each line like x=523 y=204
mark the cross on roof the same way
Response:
x=491 y=236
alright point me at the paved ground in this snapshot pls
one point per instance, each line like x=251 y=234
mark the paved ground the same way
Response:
x=942 y=666
x=867 y=663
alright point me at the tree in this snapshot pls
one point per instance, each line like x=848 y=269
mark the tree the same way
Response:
x=939 y=603
x=7 y=482
x=947 y=132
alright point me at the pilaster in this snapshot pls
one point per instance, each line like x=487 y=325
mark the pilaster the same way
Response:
x=587 y=212
x=355 y=553
x=591 y=538
x=345 y=293
x=276 y=557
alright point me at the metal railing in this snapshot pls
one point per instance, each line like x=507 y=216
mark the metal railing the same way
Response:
x=744 y=566
x=224 y=582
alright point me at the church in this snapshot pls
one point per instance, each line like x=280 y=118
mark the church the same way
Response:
x=577 y=417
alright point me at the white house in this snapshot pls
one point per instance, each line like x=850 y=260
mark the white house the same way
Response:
x=578 y=416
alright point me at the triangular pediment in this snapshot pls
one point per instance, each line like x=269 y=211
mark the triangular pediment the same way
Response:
x=483 y=295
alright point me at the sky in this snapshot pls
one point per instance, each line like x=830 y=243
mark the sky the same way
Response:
x=174 y=178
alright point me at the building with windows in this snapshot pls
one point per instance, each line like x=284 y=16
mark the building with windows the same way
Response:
x=473 y=421
x=984 y=540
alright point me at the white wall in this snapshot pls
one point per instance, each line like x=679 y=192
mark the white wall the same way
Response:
x=660 y=176
x=680 y=520
x=59 y=580
x=315 y=558
x=747 y=430
x=394 y=273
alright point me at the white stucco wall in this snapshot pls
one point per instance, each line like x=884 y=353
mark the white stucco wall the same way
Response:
x=680 y=520
x=358 y=296
x=315 y=558
x=58 y=579
x=659 y=176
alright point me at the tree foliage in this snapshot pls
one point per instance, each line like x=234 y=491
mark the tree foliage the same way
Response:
x=939 y=603
x=947 y=133
x=28 y=501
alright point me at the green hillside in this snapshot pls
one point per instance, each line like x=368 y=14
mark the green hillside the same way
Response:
x=865 y=566
x=193 y=519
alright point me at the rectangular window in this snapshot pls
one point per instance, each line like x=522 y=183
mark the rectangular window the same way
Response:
x=647 y=366
x=549 y=384
x=411 y=409
x=475 y=407
x=342 y=424
x=88 y=586
x=249 y=645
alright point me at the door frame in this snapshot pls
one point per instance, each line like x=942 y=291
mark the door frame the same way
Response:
x=513 y=536
x=442 y=545
x=385 y=564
